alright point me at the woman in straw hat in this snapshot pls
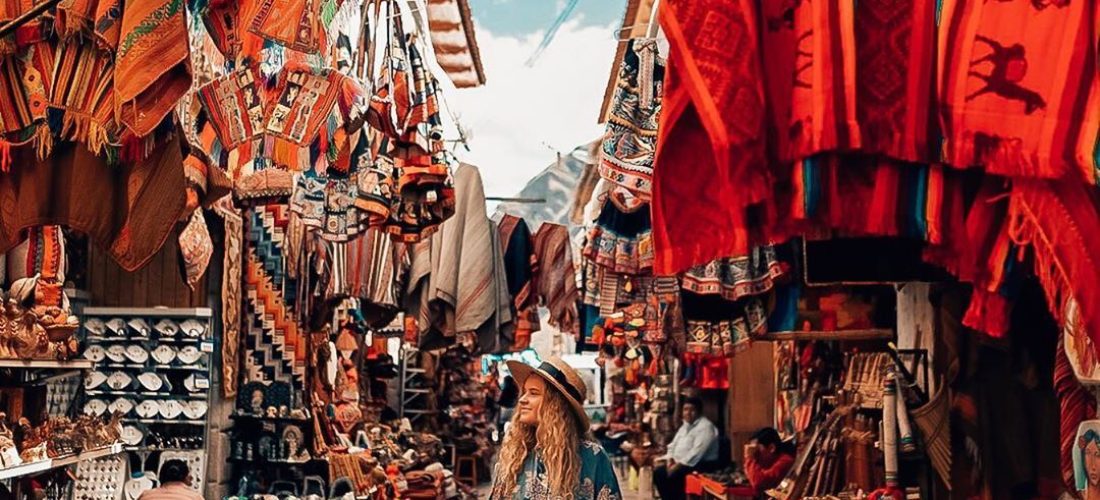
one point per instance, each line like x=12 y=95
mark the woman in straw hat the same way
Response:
x=548 y=452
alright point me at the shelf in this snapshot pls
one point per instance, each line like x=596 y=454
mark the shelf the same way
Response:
x=261 y=462
x=197 y=395
x=868 y=334
x=54 y=463
x=72 y=364
x=243 y=416
x=200 y=421
x=156 y=312
x=144 y=340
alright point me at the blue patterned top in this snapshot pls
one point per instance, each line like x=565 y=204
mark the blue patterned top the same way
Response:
x=597 y=480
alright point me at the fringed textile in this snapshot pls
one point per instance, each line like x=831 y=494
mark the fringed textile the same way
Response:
x=1077 y=404
x=1020 y=92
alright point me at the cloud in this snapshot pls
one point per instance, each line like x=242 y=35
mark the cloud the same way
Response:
x=523 y=115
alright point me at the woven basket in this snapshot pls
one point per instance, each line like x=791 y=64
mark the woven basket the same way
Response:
x=934 y=422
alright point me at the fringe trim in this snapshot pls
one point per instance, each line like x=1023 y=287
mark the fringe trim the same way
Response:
x=1003 y=156
x=1024 y=231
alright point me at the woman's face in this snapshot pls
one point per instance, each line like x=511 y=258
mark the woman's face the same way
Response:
x=534 y=388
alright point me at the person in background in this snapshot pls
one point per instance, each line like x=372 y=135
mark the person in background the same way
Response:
x=175 y=483
x=767 y=460
x=695 y=443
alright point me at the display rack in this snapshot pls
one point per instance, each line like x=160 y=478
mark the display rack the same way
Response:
x=409 y=393
x=32 y=468
x=163 y=435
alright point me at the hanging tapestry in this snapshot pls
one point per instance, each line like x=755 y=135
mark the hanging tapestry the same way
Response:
x=1020 y=90
x=275 y=348
x=626 y=153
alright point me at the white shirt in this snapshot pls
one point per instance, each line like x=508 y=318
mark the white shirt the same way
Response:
x=695 y=442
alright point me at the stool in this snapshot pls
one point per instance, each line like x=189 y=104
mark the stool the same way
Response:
x=466 y=462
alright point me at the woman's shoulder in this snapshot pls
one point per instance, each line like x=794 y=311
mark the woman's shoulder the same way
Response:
x=592 y=448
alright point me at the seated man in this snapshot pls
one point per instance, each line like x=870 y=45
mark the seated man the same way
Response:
x=767 y=460
x=695 y=442
x=175 y=483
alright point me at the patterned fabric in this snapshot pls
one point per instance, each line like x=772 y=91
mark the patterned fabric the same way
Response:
x=626 y=153
x=375 y=182
x=521 y=267
x=621 y=239
x=710 y=147
x=735 y=277
x=377 y=268
x=727 y=336
x=232 y=298
x=1077 y=404
x=83 y=88
x=275 y=347
x=823 y=97
x=1020 y=91
x=152 y=70
x=597 y=478
x=196 y=248
x=895 y=57
x=298 y=125
x=557 y=280
x=295 y=24
x=327 y=202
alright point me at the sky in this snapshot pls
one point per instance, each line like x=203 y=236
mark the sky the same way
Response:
x=522 y=116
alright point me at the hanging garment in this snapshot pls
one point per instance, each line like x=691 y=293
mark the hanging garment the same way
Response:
x=275 y=345
x=735 y=277
x=144 y=51
x=557 y=280
x=1077 y=404
x=1020 y=91
x=232 y=298
x=521 y=269
x=376 y=271
x=626 y=152
x=453 y=269
x=710 y=148
x=261 y=136
x=129 y=209
x=621 y=239
x=296 y=24
x=499 y=332
x=895 y=59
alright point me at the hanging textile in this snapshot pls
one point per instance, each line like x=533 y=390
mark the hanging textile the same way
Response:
x=823 y=97
x=557 y=280
x=275 y=345
x=1020 y=91
x=621 y=239
x=376 y=271
x=735 y=277
x=710 y=148
x=895 y=59
x=521 y=268
x=129 y=209
x=232 y=298
x=455 y=293
x=626 y=152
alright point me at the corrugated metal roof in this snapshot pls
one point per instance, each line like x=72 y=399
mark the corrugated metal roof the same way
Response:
x=452 y=30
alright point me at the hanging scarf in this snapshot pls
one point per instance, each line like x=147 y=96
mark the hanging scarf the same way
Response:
x=557 y=282
x=710 y=147
x=1020 y=94
x=1077 y=405
x=895 y=57
x=521 y=268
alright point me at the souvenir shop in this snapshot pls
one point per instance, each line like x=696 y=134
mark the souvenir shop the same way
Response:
x=871 y=227
x=223 y=243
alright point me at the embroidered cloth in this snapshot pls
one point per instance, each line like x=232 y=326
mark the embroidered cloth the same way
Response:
x=597 y=477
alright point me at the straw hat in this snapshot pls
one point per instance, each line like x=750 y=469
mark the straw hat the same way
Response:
x=559 y=375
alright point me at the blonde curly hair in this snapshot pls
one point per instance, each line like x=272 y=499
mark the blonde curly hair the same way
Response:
x=556 y=438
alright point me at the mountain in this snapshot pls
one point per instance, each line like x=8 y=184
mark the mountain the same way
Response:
x=549 y=195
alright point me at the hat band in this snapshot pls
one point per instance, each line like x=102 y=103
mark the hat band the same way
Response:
x=557 y=375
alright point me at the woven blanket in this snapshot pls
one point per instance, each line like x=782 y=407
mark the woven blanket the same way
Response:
x=275 y=347
x=1020 y=91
